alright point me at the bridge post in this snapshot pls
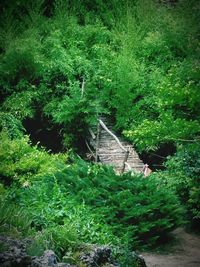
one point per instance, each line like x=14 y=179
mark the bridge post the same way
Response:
x=125 y=160
x=97 y=142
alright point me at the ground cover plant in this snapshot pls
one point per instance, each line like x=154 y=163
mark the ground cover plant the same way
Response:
x=64 y=63
x=70 y=204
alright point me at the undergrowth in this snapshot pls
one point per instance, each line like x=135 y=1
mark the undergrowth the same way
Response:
x=66 y=63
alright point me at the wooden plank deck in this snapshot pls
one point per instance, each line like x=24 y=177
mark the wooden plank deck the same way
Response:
x=110 y=152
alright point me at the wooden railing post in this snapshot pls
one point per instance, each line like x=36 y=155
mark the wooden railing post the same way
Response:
x=97 y=142
x=125 y=160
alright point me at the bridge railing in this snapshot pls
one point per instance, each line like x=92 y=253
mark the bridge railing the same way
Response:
x=146 y=171
x=125 y=163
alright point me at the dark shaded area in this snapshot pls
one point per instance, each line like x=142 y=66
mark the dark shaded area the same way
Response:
x=48 y=8
x=5 y=180
x=49 y=136
x=46 y=135
x=156 y=159
x=81 y=147
x=194 y=226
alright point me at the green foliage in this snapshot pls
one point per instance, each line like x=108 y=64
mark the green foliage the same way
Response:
x=147 y=60
x=19 y=161
x=157 y=74
x=20 y=104
x=98 y=205
x=64 y=224
x=14 y=221
x=70 y=61
x=150 y=134
x=38 y=245
x=58 y=208
x=138 y=210
x=11 y=125
x=185 y=167
x=45 y=66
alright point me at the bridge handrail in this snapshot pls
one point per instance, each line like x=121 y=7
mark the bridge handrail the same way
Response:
x=127 y=151
x=118 y=142
x=112 y=134
x=146 y=170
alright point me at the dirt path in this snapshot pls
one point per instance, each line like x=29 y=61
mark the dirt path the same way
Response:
x=185 y=254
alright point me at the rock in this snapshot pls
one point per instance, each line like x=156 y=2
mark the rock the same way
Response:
x=48 y=259
x=65 y=265
x=97 y=256
x=14 y=255
x=139 y=259
x=102 y=255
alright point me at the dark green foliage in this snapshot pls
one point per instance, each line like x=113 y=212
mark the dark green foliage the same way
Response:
x=61 y=222
x=65 y=63
x=93 y=205
x=137 y=208
x=101 y=203
x=11 y=125
x=14 y=221
x=138 y=56
x=185 y=170
x=44 y=69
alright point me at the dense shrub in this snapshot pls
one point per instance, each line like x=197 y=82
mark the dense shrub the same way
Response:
x=183 y=175
x=20 y=162
x=156 y=74
x=99 y=205
x=11 y=125
x=138 y=209
x=14 y=221
x=70 y=61
x=61 y=222
x=143 y=50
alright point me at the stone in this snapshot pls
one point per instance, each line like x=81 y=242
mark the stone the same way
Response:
x=14 y=255
x=102 y=256
x=48 y=259
x=97 y=256
x=139 y=259
x=65 y=265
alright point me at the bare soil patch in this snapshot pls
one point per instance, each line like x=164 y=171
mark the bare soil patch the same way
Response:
x=185 y=253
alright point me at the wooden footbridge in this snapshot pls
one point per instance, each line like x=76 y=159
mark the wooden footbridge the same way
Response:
x=107 y=148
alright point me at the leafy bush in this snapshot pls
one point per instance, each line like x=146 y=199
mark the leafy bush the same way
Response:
x=19 y=161
x=142 y=50
x=68 y=63
x=64 y=223
x=139 y=211
x=11 y=125
x=150 y=134
x=156 y=76
x=14 y=221
x=20 y=104
x=183 y=175
x=99 y=205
